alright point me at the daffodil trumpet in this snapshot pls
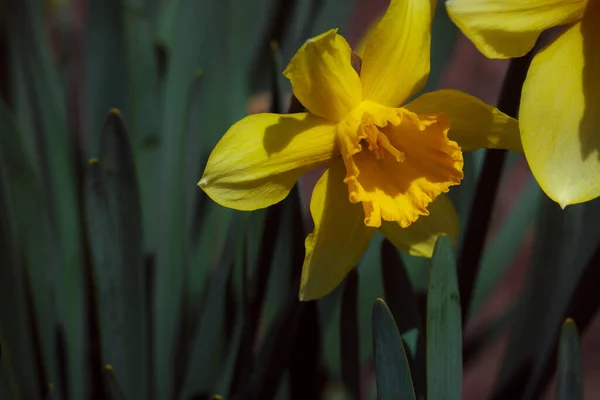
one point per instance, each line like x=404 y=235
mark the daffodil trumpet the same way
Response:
x=388 y=162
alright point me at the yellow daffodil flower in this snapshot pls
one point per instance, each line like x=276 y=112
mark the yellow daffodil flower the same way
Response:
x=559 y=114
x=386 y=164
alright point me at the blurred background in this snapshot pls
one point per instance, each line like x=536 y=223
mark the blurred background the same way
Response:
x=120 y=279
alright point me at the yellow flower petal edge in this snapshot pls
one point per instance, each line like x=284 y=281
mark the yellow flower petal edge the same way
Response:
x=396 y=57
x=339 y=238
x=419 y=238
x=259 y=159
x=560 y=114
x=397 y=162
x=510 y=28
x=322 y=77
x=473 y=123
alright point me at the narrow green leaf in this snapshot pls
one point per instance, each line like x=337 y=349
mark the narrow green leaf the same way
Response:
x=59 y=179
x=391 y=365
x=8 y=382
x=190 y=21
x=200 y=370
x=563 y=245
x=114 y=390
x=402 y=301
x=444 y=340
x=105 y=67
x=32 y=224
x=569 y=375
x=15 y=371
x=114 y=232
x=144 y=120
x=275 y=351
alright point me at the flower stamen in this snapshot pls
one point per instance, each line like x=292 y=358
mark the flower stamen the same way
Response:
x=378 y=142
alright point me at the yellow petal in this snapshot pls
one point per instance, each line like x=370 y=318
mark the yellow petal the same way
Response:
x=396 y=57
x=473 y=123
x=408 y=163
x=560 y=115
x=419 y=238
x=322 y=77
x=339 y=239
x=510 y=28
x=259 y=159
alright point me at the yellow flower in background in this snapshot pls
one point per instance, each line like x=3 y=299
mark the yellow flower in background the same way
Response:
x=560 y=106
x=386 y=164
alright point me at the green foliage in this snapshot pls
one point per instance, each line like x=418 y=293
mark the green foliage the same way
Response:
x=120 y=279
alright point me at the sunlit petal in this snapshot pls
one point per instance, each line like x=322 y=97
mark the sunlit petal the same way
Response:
x=259 y=159
x=510 y=28
x=339 y=239
x=560 y=115
x=473 y=123
x=396 y=56
x=322 y=77
x=420 y=237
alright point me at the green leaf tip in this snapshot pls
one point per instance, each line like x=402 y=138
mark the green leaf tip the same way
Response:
x=569 y=321
x=379 y=299
x=93 y=160
x=108 y=368
x=115 y=111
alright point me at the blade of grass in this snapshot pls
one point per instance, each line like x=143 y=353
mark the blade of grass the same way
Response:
x=200 y=371
x=444 y=340
x=14 y=334
x=569 y=382
x=402 y=301
x=391 y=364
x=31 y=217
x=145 y=118
x=563 y=246
x=105 y=68
x=60 y=178
x=114 y=231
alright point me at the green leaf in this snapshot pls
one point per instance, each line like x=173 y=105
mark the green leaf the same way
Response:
x=105 y=67
x=145 y=118
x=444 y=340
x=59 y=177
x=17 y=373
x=391 y=365
x=402 y=301
x=114 y=231
x=200 y=371
x=8 y=382
x=569 y=375
x=563 y=246
x=32 y=225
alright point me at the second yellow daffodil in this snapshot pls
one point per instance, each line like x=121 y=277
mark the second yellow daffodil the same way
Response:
x=560 y=103
x=387 y=163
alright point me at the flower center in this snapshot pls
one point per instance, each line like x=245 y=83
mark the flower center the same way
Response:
x=379 y=143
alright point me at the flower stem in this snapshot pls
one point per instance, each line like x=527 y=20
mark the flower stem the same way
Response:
x=487 y=187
